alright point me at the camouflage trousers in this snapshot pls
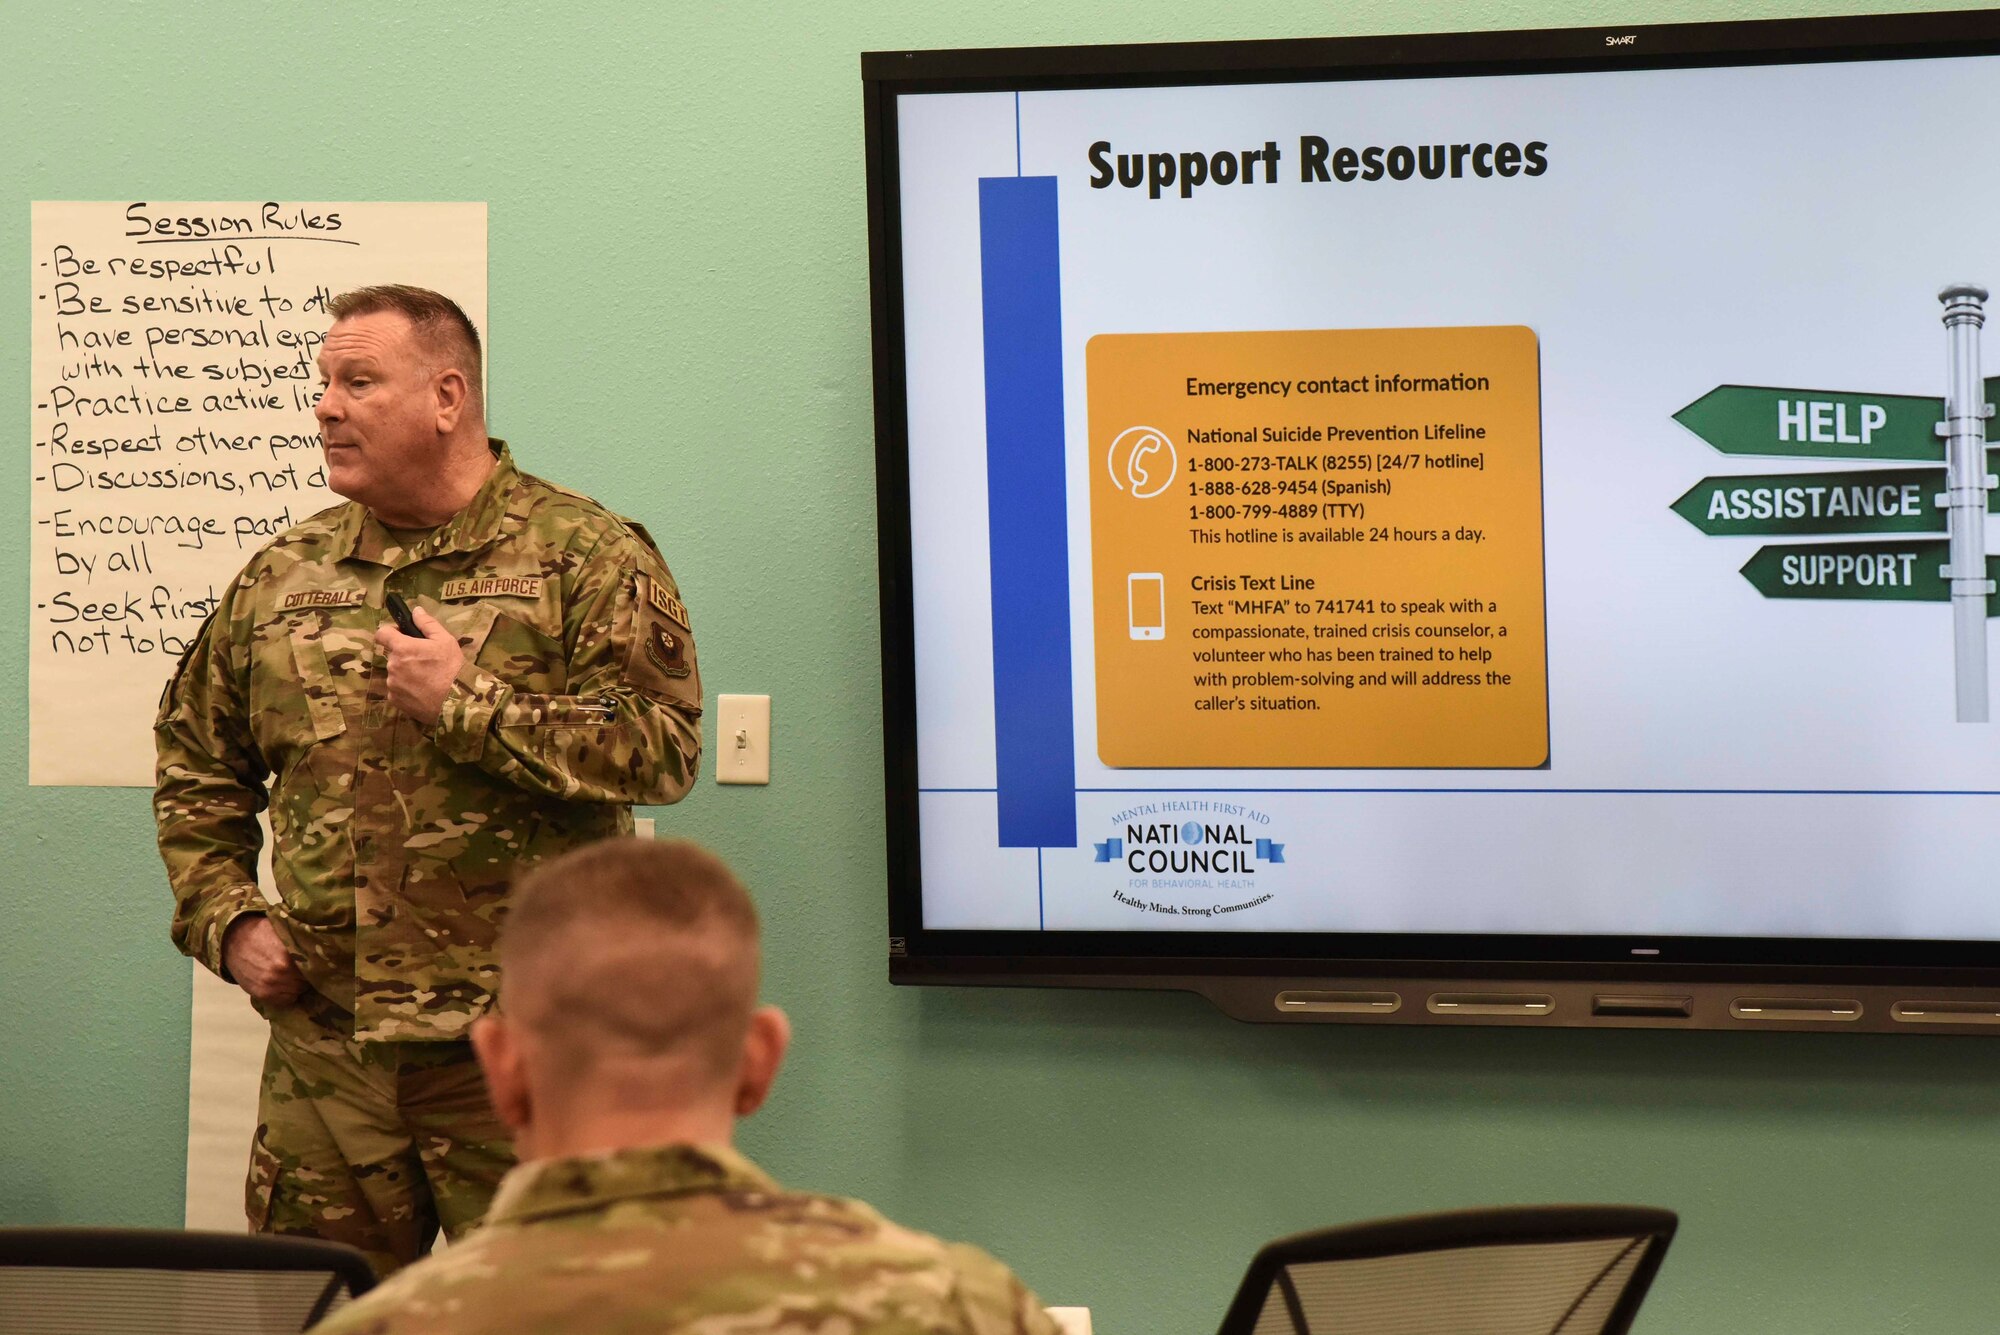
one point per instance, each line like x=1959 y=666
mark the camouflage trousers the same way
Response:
x=377 y=1145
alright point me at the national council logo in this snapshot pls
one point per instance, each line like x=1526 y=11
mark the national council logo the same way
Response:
x=1192 y=858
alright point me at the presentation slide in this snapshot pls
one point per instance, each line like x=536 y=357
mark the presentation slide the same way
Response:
x=1522 y=504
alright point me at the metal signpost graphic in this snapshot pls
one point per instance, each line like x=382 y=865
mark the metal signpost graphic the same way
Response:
x=1834 y=425
x=1966 y=485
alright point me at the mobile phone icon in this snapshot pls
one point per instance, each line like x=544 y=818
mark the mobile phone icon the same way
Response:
x=1146 y=605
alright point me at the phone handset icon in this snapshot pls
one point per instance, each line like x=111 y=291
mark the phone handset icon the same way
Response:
x=1142 y=462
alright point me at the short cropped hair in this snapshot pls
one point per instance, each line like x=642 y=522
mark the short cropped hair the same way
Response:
x=632 y=949
x=439 y=321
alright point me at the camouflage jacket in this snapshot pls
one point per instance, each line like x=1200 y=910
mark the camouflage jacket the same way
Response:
x=695 y=1240
x=394 y=843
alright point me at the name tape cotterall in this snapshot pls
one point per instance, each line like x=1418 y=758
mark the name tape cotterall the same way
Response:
x=322 y=598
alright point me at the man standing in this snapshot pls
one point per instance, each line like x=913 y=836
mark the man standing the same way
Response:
x=542 y=681
x=627 y=1043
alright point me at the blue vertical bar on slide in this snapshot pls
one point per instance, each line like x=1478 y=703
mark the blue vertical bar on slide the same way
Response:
x=1027 y=511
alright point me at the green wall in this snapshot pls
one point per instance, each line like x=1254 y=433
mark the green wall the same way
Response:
x=679 y=311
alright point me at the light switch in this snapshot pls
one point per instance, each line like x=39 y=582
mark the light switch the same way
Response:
x=743 y=739
x=642 y=826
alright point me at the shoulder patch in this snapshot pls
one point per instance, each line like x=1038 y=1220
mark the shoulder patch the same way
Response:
x=661 y=661
x=667 y=650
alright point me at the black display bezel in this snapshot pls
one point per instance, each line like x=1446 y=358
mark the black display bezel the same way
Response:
x=1181 y=959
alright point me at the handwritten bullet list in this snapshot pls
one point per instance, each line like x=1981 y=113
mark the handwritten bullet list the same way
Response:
x=173 y=387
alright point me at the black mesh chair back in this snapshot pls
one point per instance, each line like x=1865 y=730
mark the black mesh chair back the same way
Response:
x=124 y=1281
x=1521 y=1270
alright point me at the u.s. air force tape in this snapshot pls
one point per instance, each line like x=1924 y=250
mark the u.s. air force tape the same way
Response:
x=492 y=586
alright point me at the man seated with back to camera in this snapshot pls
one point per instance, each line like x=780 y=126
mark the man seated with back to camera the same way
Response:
x=627 y=1042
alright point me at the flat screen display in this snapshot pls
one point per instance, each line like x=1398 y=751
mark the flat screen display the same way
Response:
x=1477 y=503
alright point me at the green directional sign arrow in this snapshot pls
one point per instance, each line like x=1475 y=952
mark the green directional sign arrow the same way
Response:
x=1903 y=570
x=1816 y=423
x=1878 y=500
x=1823 y=423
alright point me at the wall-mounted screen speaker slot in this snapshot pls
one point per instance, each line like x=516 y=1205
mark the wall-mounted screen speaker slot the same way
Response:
x=1339 y=1003
x=1946 y=1012
x=1791 y=1010
x=1491 y=1003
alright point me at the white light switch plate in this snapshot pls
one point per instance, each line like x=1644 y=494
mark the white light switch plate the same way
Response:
x=642 y=826
x=1072 y=1320
x=743 y=739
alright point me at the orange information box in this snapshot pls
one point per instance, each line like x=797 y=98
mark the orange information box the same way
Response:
x=1318 y=549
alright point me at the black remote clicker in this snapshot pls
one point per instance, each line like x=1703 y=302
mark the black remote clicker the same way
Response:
x=401 y=611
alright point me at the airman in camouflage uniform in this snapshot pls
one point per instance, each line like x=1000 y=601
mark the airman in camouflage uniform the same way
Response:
x=396 y=835
x=694 y=1240
x=627 y=1043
